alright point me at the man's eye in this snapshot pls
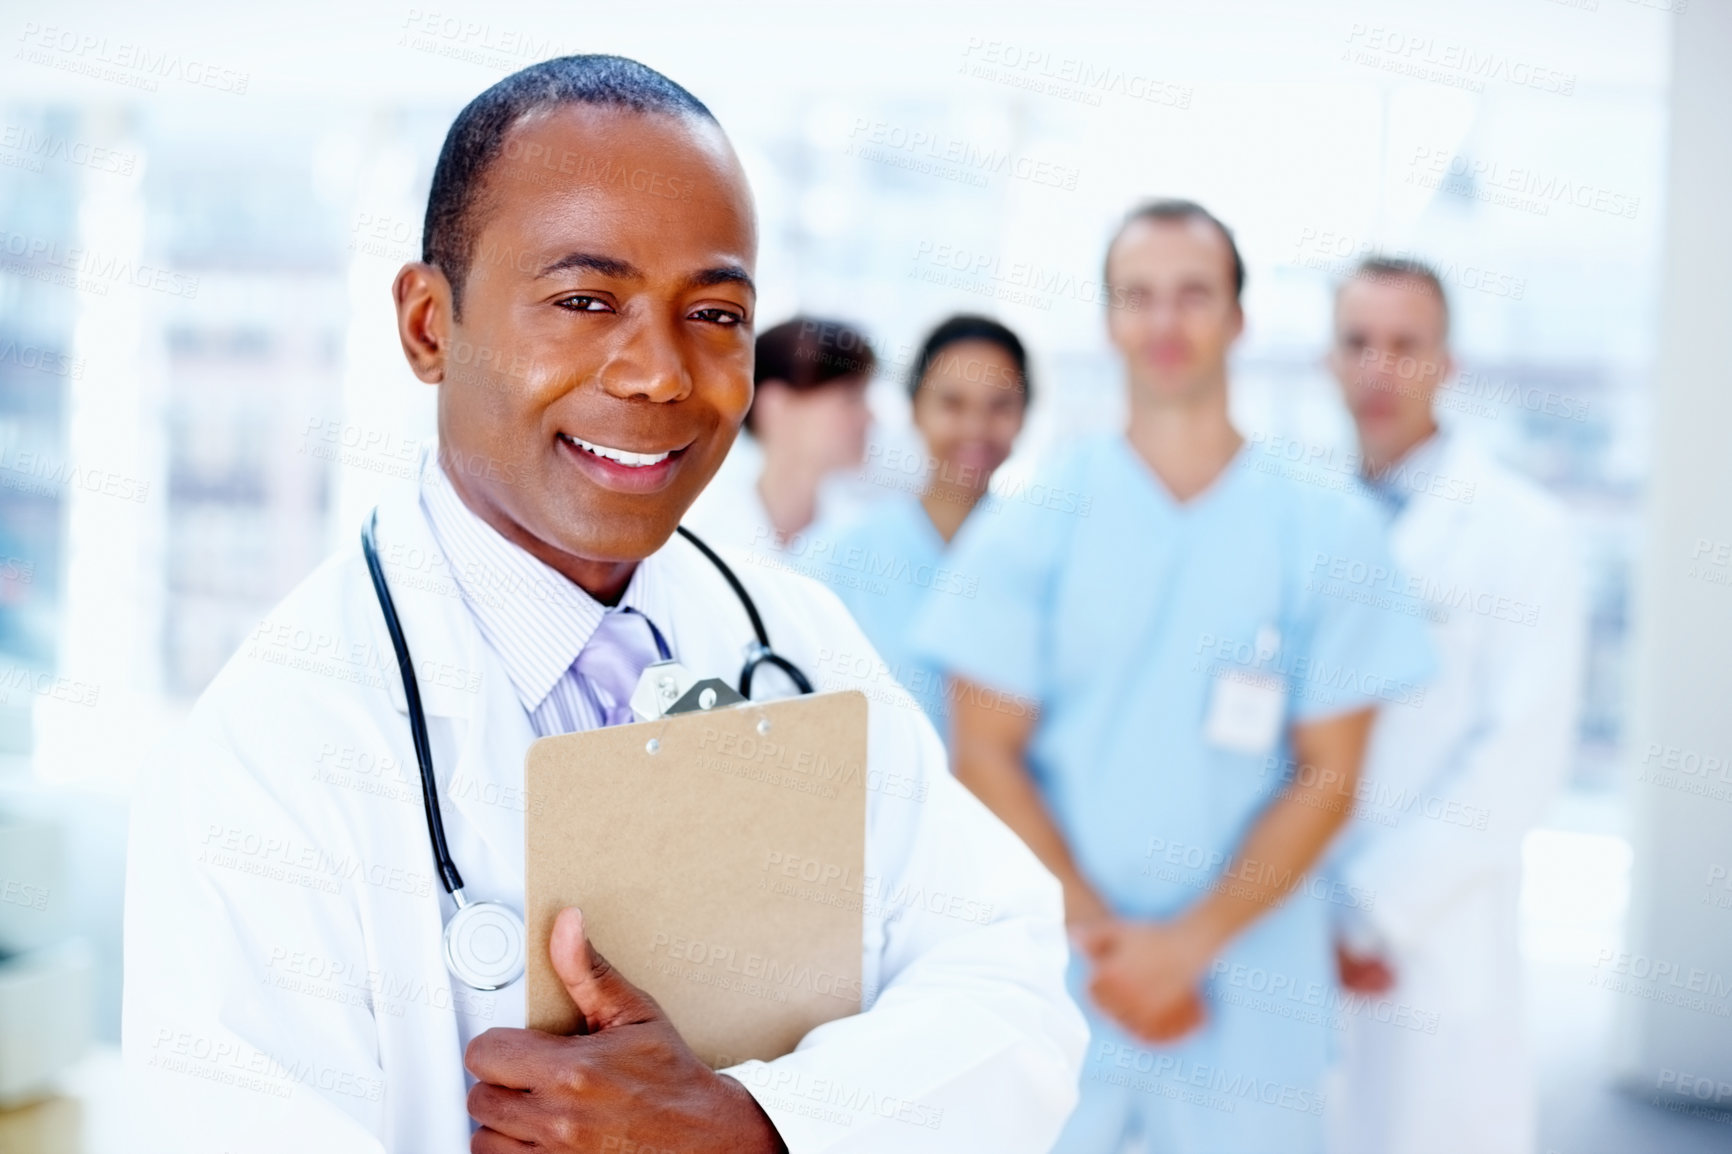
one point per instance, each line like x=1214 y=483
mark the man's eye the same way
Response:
x=724 y=317
x=583 y=304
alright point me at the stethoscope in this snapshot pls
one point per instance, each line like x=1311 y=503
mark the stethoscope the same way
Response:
x=485 y=941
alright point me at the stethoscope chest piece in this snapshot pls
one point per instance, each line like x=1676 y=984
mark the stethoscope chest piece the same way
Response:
x=485 y=944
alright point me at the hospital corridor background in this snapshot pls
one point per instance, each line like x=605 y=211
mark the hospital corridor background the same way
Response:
x=202 y=208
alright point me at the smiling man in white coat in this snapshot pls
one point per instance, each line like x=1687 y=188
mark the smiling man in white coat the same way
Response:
x=1433 y=1058
x=585 y=308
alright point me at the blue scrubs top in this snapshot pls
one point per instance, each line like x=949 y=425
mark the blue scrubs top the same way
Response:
x=1125 y=614
x=884 y=564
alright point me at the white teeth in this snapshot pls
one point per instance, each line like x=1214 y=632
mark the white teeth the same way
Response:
x=630 y=460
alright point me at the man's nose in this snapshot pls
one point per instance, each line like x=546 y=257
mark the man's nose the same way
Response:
x=1160 y=313
x=650 y=364
x=974 y=423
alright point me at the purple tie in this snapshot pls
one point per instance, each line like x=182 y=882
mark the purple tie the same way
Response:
x=619 y=650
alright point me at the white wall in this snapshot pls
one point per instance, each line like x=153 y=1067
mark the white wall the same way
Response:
x=1675 y=1030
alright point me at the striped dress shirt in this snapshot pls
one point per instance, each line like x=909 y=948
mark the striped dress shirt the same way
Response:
x=536 y=618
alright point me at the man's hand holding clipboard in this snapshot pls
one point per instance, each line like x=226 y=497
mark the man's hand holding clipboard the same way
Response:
x=569 y=1092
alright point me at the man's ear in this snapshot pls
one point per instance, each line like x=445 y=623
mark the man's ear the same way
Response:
x=423 y=298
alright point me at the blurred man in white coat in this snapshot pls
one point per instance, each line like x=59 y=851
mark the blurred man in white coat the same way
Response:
x=1450 y=789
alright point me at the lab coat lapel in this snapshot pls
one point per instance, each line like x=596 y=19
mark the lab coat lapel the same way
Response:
x=443 y=640
x=1426 y=533
x=462 y=680
x=486 y=783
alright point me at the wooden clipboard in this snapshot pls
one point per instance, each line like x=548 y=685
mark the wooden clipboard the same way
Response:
x=719 y=859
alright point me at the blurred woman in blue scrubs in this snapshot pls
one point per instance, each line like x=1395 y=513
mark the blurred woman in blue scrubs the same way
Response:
x=970 y=390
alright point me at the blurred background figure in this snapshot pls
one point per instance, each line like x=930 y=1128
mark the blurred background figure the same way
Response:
x=1452 y=788
x=969 y=389
x=808 y=421
x=1176 y=669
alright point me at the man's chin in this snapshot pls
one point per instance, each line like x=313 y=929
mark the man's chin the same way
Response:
x=1379 y=436
x=617 y=544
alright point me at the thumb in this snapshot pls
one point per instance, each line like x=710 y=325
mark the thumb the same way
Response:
x=601 y=993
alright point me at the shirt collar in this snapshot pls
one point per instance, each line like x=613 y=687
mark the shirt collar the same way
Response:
x=534 y=617
x=1410 y=474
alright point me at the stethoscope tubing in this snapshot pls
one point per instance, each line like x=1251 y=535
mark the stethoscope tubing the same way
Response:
x=453 y=881
x=761 y=654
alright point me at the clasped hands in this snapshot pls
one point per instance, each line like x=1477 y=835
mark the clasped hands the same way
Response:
x=1147 y=975
x=628 y=1082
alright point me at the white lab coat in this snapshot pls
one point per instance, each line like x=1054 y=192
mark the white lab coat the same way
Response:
x=285 y=988
x=1449 y=790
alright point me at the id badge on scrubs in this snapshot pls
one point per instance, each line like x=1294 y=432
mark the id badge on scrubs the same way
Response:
x=1247 y=706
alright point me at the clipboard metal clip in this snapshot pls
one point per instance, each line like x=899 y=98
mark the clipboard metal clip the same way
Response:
x=667 y=688
x=710 y=693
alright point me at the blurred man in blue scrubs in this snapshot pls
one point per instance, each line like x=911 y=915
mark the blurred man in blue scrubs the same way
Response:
x=969 y=388
x=1198 y=718
x=1450 y=790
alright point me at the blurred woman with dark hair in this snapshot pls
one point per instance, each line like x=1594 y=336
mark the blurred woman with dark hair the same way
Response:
x=969 y=386
x=808 y=420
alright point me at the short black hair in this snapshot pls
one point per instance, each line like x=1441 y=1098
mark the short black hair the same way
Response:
x=1382 y=268
x=808 y=352
x=1180 y=210
x=478 y=134
x=965 y=327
